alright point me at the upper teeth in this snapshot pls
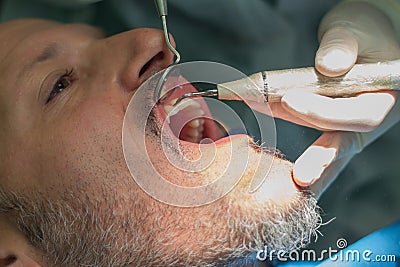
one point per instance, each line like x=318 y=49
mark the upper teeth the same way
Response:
x=187 y=102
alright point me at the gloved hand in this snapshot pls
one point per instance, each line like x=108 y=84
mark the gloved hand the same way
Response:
x=352 y=32
x=320 y=164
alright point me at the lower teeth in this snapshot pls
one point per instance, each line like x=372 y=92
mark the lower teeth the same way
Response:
x=193 y=130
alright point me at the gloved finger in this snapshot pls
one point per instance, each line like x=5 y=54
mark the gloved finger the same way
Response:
x=319 y=165
x=328 y=176
x=361 y=113
x=337 y=52
x=325 y=158
x=276 y=110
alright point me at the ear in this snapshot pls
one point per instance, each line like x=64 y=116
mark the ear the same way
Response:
x=15 y=250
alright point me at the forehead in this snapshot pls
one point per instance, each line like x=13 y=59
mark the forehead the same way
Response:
x=15 y=32
x=18 y=43
x=27 y=33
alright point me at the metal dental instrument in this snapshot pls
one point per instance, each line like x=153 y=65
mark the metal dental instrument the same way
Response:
x=270 y=86
x=163 y=12
x=207 y=93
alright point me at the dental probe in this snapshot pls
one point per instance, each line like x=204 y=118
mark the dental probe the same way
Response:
x=270 y=86
x=163 y=12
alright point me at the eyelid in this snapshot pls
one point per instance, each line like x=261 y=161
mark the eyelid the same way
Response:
x=67 y=74
x=46 y=85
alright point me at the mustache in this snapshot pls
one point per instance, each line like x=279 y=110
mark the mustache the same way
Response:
x=153 y=130
x=152 y=125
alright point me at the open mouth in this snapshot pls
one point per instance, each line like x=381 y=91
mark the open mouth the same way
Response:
x=191 y=120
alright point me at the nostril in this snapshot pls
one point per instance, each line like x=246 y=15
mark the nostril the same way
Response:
x=8 y=261
x=144 y=68
x=149 y=63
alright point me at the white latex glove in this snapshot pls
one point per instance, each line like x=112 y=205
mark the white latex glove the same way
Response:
x=352 y=32
x=320 y=164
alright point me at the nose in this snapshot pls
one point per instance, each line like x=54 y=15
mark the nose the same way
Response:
x=132 y=57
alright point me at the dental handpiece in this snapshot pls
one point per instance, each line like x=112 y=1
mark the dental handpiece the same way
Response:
x=271 y=86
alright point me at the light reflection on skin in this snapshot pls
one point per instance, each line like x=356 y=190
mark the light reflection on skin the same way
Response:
x=63 y=159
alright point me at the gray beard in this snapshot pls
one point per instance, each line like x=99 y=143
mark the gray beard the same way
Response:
x=76 y=232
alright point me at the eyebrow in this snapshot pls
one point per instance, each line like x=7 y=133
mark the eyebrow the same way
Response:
x=50 y=51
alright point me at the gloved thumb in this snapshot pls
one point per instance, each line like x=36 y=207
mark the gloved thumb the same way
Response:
x=319 y=165
x=329 y=147
x=337 y=52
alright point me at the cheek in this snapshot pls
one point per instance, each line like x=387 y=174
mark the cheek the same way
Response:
x=85 y=151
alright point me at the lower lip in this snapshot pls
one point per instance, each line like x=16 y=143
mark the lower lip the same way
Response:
x=220 y=142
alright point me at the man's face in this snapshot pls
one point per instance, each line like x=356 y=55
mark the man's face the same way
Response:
x=64 y=91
